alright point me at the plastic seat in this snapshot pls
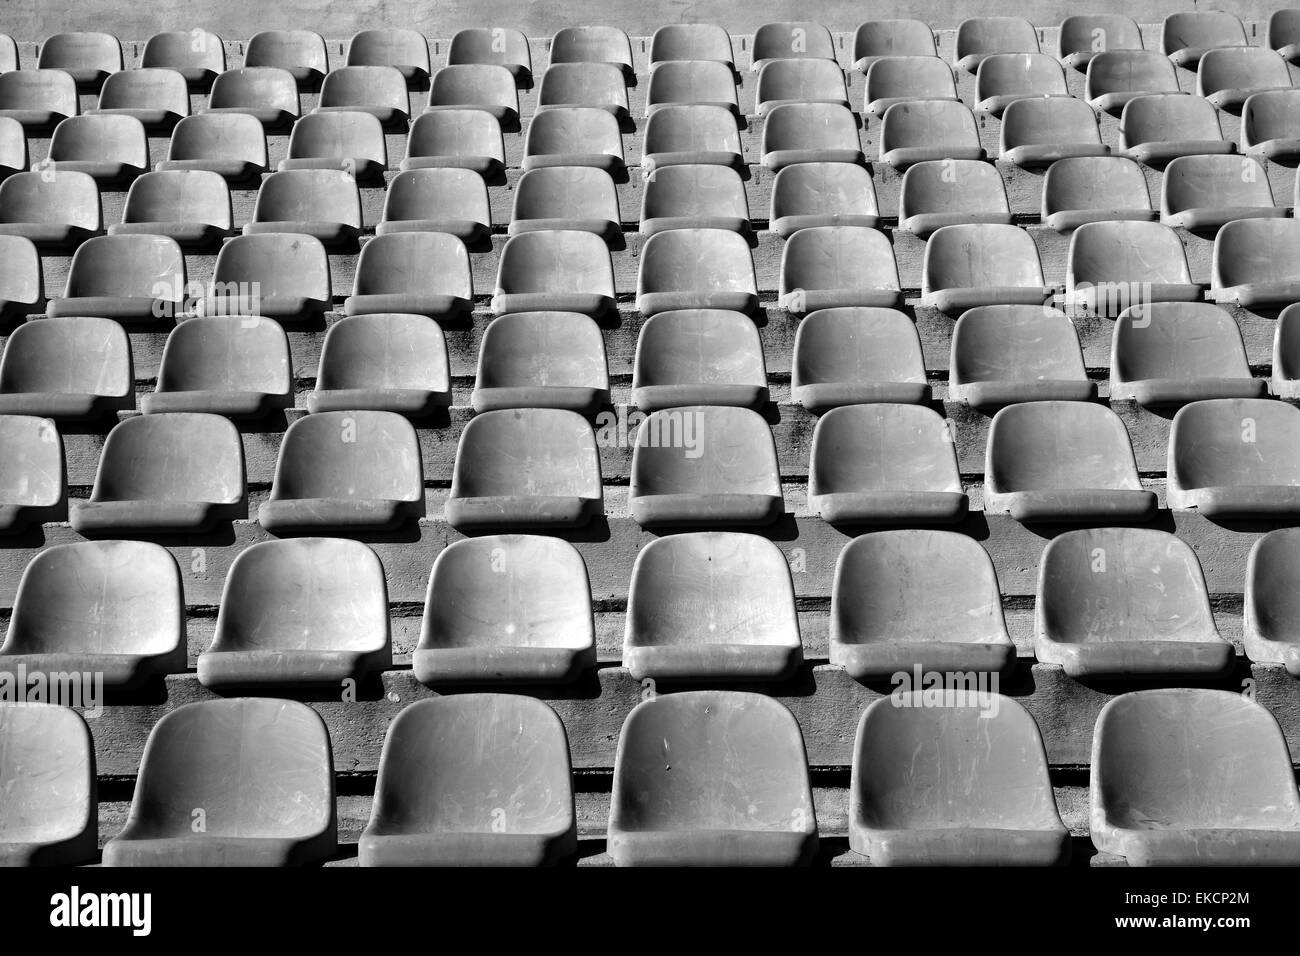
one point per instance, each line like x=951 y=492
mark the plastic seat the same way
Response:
x=574 y=136
x=38 y=99
x=1063 y=462
x=417 y=273
x=736 y=791
x=197 y=55
x=377 y=90
x=1283 y=34
x=524 y=469
x=1006 y=354
x=981 y=37
x=283 y=277
x=1113 y=265
x=181 y=473
x=1117 y=76
x=566 y=198
x=13 y=147
x=1040 y=132
x=557 y=271
x=307 y=611
x=1156 y=129
x=1227 y=77
x=127 y=278
x=711 y=605
x=541 y=360
x=940 y=193
x=690 y=135
x=1270 y=125
x=1256 y=262
x=21 y=283
x=1186 y=37
x=850 y=480
x=693 y=82
x=461 y=139
x=510 y=608
x=191 y=206
x=593 y=44
x=449 y=200
x=494 y=46
x=905 y=79
x=584 y=84
x=690 y=42
x=879 y=39
x=226 y=365
x=389 y=362
x=790 y=40
x=704 y=465
x=831 y=267
x=1286 y=354
x=810 y=133
x=53 y=212
x=928 y=129
x=261 y=771
x=349 y=140
x=1004 y=78
x=800 y=81
x=232 y=145
x=50 y=816
x=970 y=265
x=406 y=50
x=480 y=87
x=472 y=780
x=301 y=52
x=694 y=197
x=822 y=194
x=917 y=598
x=157 y=97
x=1083 y=37
x=267 y=93
x=8 y=54
x=696 y=269
x=322 y=203
x=1269 y=626
x=1094 y=189
x=1235 y=458
x=33 y=484
x=87 y=57
x=346 y=472
x=1236 y=803
x=72 y=369
x=856 y=357
x=112 y=608
x=111 y=149
x=957 y=781
x=1204 y=192
x=699 y=357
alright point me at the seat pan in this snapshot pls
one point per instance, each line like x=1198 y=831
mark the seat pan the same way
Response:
x=238 y=404
x=652 y=303
x=1245 y=501
x=1203 y=846
x=415 y=402
x=692 y=662
x=122 y=308
x=185 y=233
x=103 y=517
x=890 y=507
x=1195 y=219
x=1075 y=505
x=707 y=509
x=62 y=406
x=353 y=514
x=329 y=233
x=120 y=671
x=281 y=666
x=588 y=303
x=1044 y=154
x=965 y=846
x=466 y=230
x=879 y=660
x=434 y=305
x=451 y=665
x=822 y=396
x=575 y=398
x=778 y=159
x=232 y=170
x=959 y=299
x=465 y=849
x=651 y=398
x=207 y=851
x=998 y=394
x=286 y=308
x=711 y=848
x=1137 y=659
x=515 y=512
x=1179 y=391
x=488 y=167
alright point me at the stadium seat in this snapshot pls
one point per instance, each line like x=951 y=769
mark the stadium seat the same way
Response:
x=33 y=483
x=125 y=278
x=462 y=139
x=525 y=469
x=699 y=357
x=258 y=770
x=1283 y=34
x=1063 y=462
x=1039 y=132
x=800 y=81
x=158 y=474
x=831 y=267
x=1113 y=265
x=1006 y=354
x=157 y=97
x=970 y=265
x=690 y=42
x=1237 y=804
x=696 y=269
x=236 y=366
x=1126 y=603
x=494 y=46
x=735 y=792
x=593 y=44
x=301 y=52
x=692 y=82
x=705 y=465
x=953 y=778
x=857 y=357
x=1235 y=458
x=1083 y=37
x=388 y=362
x=790 y=40
x=822 y=194
x=851 y=482
x=1117 y=76
x=1286 y=354
x=981 y=37
x=1004 y=78
x=480 y=87
x=881 y=39
x=687 y=135
x=8 y=54
x=541 y=360
x=13 y=147
x=73 y=369
x=1094 y=189
x=406 y=50
x=1269 y=625
x=1270 y=125
x=694 y=197
x=22 y=287
x=1204 y=192
x=1227 y=77
x=472 y=780
x=1256 y=262
x=50 y=816
x=917 y=598
x=1186 y=37
x=111 y=608
x=558 y=271
x=199 y=56
x=905 y=79
x=447 y=200
x=584 y=84
x=574 y=198
x=191 y=206
x=306 y=611
x=88 y=58
x=351 y=140
x=810 y=133
x=512 y=608
x=574 y=136
x=348 y=471
x=38 y=99
x=928 y=129
x=377 y=90
x=940 y=192
x=233 y=145
x=267 y=93
x=322 y=203
x=111 y=149
x=416 y=273
x=1155 y=129
x=283 y=277
x=711 y=605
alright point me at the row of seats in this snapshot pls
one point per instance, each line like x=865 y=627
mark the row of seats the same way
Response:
x=700 y=778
